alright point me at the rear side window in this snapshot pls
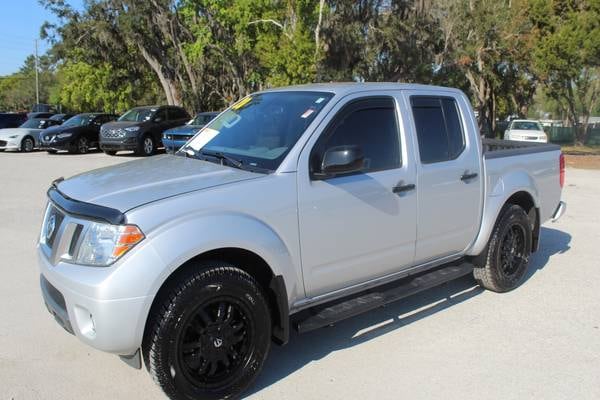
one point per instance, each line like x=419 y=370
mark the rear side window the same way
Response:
x=370 y=124
x=177 y=113
x=439 y=130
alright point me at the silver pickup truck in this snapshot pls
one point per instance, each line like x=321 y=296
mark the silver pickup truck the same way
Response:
x=295 y=208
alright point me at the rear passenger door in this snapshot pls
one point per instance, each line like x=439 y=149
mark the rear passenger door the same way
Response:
x=448 y=175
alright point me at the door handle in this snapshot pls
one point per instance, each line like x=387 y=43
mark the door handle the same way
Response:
x=466 y=176
x=403 y=188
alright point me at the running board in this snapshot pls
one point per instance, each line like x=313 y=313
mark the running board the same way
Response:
x=347 y=307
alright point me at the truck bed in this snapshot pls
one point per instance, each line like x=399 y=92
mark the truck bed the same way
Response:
x=495 y=148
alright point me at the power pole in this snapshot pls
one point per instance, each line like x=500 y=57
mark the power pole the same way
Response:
x=37 y=79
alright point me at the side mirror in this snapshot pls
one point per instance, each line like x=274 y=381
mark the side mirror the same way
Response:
x=341 y=160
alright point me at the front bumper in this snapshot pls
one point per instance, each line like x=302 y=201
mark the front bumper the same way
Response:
x=128 y=143
x=56 y=145
x=171 y=146
x=10 y=144
x=73 y=295
x=560 y=210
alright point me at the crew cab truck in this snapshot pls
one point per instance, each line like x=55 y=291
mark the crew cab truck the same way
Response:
x=295 y=208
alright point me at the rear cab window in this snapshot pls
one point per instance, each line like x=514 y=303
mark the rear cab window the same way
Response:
x=439 y=130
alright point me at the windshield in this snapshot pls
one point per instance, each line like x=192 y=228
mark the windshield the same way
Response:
x=35 y=123
x=138 y=114
x=260 y=129
x=202 y=119
x=79 y=120
x=526 y=126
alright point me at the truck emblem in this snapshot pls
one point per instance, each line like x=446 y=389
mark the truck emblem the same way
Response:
x=51 y=226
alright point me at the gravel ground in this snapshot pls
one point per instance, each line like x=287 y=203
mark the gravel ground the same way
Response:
x=453 y=342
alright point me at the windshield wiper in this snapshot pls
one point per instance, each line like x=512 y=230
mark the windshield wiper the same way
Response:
x=224 y=157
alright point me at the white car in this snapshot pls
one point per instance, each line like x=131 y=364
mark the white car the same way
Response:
x=26 y=137
x=526 y=131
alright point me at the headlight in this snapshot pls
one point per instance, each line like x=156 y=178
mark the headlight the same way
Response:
x=63 y=135
x=13 y=136
x=132 y=129
x=103 y=244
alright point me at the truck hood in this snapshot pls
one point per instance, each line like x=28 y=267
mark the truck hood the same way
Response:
x=131 y=184
x=184 y=130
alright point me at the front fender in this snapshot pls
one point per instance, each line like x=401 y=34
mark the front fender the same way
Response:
x=183 y=239
x=498 y=190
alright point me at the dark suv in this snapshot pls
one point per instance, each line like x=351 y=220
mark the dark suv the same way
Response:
x=140 y=129
x=12 y=120
x=76 y=135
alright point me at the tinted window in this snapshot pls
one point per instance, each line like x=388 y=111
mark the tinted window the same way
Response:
x=371 y=125
x=162 y=114
x=177 y=113
x=439 y=131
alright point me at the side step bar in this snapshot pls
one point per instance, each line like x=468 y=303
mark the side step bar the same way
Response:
x=339 y=310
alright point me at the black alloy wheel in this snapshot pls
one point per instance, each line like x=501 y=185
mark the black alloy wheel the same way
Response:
x=503 y=263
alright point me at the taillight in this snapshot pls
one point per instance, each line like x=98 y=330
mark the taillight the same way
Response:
x=562 y=169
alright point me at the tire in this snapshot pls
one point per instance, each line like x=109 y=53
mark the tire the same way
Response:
x=110 y=152
x=27 y=144
x=503 y=263
x=51 y=151
x=146 y=147
x=81 y=146
x=219 y=314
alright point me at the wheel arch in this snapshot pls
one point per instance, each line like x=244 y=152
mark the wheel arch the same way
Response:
x=250 y=262
x=521 y=196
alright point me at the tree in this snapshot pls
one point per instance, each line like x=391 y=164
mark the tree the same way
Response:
x=489 y=41
x=567 y=56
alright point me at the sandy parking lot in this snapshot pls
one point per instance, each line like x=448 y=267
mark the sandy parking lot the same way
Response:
x=452 y=342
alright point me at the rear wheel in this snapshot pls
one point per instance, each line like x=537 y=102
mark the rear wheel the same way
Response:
x=503 y=264
x=209 y=335
x=27 y=144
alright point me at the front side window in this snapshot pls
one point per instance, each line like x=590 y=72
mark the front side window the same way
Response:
x=370 y=124
x=261 y=129
x=439 y=130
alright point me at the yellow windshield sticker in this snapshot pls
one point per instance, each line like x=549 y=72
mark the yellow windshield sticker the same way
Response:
x=241 y=103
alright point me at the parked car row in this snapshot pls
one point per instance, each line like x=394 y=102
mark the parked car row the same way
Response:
x=141 y=129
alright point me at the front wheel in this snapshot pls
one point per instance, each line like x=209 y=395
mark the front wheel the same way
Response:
x=209 y=335
x=81 y=146
x=503 y=264
x=146 y=147
x=27 y=144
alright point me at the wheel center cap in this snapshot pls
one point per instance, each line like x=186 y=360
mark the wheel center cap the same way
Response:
x=217 y=342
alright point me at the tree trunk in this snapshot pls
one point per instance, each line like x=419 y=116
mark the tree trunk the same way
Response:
x=168 y=83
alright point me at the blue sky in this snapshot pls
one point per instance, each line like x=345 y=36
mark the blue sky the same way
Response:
x=20 y=22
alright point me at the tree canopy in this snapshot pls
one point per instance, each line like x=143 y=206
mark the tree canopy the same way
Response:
x=205 y=54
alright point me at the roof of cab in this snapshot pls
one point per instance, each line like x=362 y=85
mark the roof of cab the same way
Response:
x=344 y=88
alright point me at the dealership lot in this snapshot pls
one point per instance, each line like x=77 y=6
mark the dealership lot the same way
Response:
x=454 y=341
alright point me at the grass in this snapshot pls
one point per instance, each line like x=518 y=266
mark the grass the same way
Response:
x=581 y=150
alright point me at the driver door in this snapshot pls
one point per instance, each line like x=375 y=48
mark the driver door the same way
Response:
x=358 y=226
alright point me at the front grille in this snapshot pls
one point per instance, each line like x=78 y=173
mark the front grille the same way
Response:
x=60 y=234
x=113 y=133
x=2 y=143
x=179 y=137
x=52 y=225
